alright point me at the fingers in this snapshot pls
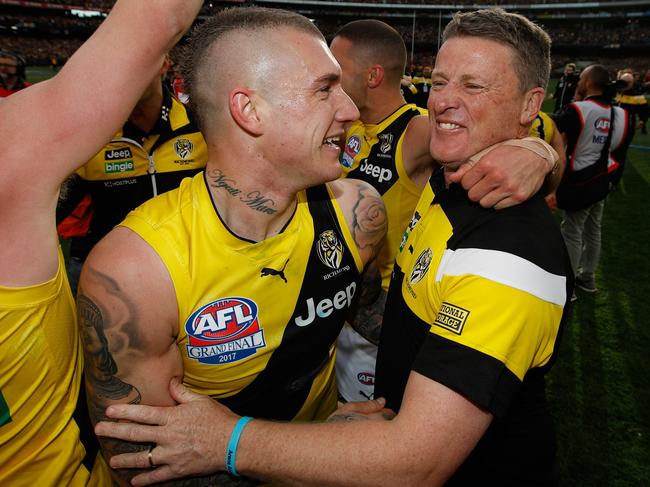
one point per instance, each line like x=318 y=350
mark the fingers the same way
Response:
x=132 y=460
x=137 y=413
x=459 y=174
x=161 y=474
x=182 y=394
x=127 y=431
x=363 y=407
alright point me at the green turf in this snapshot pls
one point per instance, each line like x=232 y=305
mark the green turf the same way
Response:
x=600 y=387
x=38 y=73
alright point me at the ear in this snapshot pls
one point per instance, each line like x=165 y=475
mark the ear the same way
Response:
x=531 y=105
x=166 y=64
x=375 y=76
x=243 y=110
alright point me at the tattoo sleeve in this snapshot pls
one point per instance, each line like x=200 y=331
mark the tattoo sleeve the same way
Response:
x=103 y=385
x=369 y=220
x=367 y=312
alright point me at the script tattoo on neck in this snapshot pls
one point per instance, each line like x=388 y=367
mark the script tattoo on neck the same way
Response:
x=253 y=199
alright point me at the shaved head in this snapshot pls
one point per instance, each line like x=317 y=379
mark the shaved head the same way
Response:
x=375 y=42
x=236 y=46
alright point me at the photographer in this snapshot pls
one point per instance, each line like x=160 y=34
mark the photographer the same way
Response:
x=566 y=87
x=597 y=135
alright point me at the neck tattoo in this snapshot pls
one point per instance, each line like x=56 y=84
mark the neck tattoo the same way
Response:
x=253 y=199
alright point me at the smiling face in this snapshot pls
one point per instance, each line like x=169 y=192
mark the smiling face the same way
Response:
x=475 y=99
x=307 y=109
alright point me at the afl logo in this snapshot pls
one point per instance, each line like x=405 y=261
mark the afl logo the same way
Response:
x=224 y=331
x=366 y=378
x=421 y=266
x=352 y=148
x=183 y=147
x=330 y=249
x=602 y=125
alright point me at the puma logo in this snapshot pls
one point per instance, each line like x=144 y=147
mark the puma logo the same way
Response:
x=267 y=271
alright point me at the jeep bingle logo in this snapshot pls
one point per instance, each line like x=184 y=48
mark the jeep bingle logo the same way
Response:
x=330 y=249
x=326 y=307
x=183 y=147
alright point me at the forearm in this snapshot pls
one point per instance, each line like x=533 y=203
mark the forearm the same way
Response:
x=349 y=454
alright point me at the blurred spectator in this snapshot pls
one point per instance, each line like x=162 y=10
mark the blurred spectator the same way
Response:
x=632 y=99
x=565 y=88
x=12 y=73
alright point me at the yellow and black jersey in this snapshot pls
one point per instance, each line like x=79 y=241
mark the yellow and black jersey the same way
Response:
x=476 y=304
x=373 y=153
x=542 y=127
x=40 y=371
x=136 y=166
x=257 y=320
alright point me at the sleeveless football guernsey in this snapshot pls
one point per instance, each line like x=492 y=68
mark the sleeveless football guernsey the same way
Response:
x=257 y=320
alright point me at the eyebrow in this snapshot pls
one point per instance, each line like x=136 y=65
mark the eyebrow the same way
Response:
x=463 y=78
x=328 y=78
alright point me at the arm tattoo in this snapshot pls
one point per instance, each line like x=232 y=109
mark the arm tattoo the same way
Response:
x=103 y=386
x=253 y=199
x=367 y=313
x=369 y=220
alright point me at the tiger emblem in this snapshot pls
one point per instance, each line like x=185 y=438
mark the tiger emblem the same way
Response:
x=183 y=147
x=421 y=266
x=330 y=249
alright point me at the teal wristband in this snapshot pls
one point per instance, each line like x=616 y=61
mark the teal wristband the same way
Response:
x=231 y=453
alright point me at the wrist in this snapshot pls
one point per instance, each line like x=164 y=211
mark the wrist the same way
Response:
x=231 y=449
x=542 y=149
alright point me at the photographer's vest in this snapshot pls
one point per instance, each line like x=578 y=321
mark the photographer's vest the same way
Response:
x=586 y=180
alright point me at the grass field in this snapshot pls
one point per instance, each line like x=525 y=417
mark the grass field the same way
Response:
x=599 y=388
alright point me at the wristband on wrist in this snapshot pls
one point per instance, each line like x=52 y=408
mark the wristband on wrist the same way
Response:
x=231 y=452
x=539 y=147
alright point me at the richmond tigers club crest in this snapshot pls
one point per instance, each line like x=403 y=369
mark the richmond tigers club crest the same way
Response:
x=183 y=147
x=421 y=266
x=330 y=249
x=386 y=142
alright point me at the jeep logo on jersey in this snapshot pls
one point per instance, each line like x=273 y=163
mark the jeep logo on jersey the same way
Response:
x=602 y=125
x=366 y=378
x=326 y=307
x=352 y=148
x=113 y=154
x=386 y=142
x=330 y=249
x=224 y=331
x=421 y=266
x=183 y=147
x=381 y=174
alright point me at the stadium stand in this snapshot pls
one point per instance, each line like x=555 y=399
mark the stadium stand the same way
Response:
x=614 y=33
